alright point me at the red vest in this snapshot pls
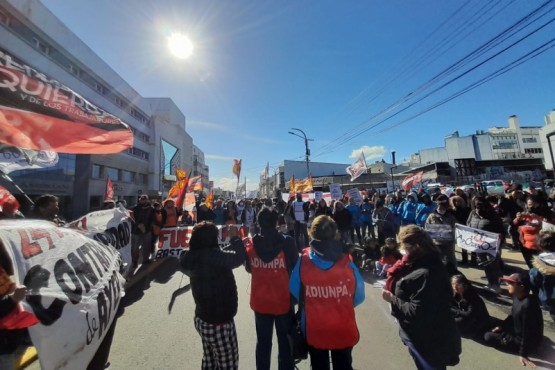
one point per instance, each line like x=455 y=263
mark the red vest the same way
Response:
x=269 y=284
x=328 y=300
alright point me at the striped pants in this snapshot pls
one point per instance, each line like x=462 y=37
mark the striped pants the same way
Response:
x=219 y=344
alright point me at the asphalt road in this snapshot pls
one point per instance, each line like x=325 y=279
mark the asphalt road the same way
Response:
x=155 y=329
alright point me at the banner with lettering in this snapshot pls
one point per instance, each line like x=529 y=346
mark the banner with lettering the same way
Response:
x=14 y=159
x=109 y=227
x=478 y=241
x=73 y=287
x=355 y=194
x=172 y=241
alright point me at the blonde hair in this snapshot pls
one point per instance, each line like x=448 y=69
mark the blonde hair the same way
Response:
x=323 y=228
x=455 y=199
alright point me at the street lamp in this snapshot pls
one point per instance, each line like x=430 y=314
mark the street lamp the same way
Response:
x=392 y=181
x=306 y=146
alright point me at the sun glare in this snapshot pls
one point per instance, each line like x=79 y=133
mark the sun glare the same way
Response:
x=180 y=45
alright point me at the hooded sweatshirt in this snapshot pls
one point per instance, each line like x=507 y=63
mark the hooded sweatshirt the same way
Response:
x=269 y=243
x=542 y=277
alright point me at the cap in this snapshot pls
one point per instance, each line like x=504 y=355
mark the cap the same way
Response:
x=518 y=278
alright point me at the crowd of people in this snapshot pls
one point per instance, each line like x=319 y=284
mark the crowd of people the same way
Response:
x=298 y=255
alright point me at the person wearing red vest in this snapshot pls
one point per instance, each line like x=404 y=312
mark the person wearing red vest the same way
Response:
x=328 y=286
x=270 y=260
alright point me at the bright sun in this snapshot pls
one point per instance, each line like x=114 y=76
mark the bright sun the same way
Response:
x=180 y=45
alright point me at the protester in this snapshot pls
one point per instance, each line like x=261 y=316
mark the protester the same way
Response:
x=328 y=318
x=219 y=212
x=483 y=217
x=108 y=204
x=248 y=218
x=407 y=209
x=322 y=209
x=420 y=295
x=270 y=260
x=160 y=216
x=215 y=293
x=46 y=208
x=542 y=274
x=354 y=210
x=461 y=211
x=230 y=213
x=342 y=219
x=425 y=208
x=468 y=309
x=390 y=254
x=299 y=213
x=204 y=213
x=384 y=219
x=367 y=224
x=10 y=296
x=141 y=231
x=529 y=225
x=443 y=215
x=522 y=330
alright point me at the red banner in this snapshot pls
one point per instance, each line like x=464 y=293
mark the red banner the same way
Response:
x=39 y=113
x=109 y=195
x=411 y=180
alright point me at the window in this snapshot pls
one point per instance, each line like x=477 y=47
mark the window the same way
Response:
x=41 y=46
x=127 y=176
x=144 y=178
x=120 y=102
x=74 y=70
x=100 y=88
x=112 y=173
x=95 y=171
x=529 y=140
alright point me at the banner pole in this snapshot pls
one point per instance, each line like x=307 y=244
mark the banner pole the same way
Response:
x=9 y=179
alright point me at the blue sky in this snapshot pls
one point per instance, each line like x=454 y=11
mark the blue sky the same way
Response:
x=352 y=74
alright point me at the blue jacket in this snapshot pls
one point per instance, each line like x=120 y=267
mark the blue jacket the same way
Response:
x=366 y=210
x=542 y=277
x=407 y=212
x=354 y=210
x=423 y=211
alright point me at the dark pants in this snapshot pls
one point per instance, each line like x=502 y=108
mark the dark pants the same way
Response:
x=492 y=269
x=528 y=255
x=264 y=333
x=504 y=341
x=420 y=362
x=355 y=229
x=300 y=229
x=340 y=358
x=370 y=227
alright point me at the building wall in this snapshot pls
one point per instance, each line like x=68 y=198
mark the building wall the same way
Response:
x=34 y=35
x=433 y=155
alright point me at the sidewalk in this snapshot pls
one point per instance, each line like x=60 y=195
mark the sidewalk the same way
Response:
x=25 y=356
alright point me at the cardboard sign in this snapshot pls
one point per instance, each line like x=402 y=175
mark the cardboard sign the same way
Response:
x=335 y=191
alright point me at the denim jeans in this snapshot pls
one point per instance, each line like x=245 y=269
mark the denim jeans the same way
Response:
x=264 y=333
x=340 y=358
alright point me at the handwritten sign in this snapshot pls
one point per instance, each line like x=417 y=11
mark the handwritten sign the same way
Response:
x=335 y=190
x=478 y=241
x=440 y=232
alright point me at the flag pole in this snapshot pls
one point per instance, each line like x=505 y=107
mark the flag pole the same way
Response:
x=9 y=179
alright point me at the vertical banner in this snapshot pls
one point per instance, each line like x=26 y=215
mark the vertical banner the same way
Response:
x=73 y=287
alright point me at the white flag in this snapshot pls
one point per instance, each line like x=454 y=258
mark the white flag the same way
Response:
x=357 y=168
x=13 y=159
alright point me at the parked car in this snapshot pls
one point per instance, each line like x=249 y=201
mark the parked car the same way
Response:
x=495 y=187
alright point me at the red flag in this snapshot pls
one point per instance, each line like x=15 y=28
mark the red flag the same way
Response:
x=109 y=194
x=237 y=168
x=39 y=113
x=7 y=200
x=411 y=180
x=181 y=198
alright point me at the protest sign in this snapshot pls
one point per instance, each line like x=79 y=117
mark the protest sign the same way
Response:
x=478 y=241
x=440 y=232
x=318 y=195
x=335 y=190
x=73 y=287
x=355 y=194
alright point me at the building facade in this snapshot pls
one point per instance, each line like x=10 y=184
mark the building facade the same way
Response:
x=31 y=33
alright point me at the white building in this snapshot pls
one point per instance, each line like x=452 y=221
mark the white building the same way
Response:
x=32 y=34
x=546 y=133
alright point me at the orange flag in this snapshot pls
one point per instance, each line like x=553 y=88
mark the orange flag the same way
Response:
x=237 y=168
x=195 y=183
x=209 y=200
x=180 y=174
x=292 y=186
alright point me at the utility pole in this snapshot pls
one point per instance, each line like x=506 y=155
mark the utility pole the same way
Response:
x=307 y=150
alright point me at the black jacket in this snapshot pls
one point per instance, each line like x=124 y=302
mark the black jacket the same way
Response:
x=343 y=219
x=212 y=281
x=422 y=306
x=142 y=214
x=526 y=323
x=9 y=339
x=471 y=314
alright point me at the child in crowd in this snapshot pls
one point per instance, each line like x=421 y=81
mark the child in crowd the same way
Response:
x=542 y=275
x=389 y=255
